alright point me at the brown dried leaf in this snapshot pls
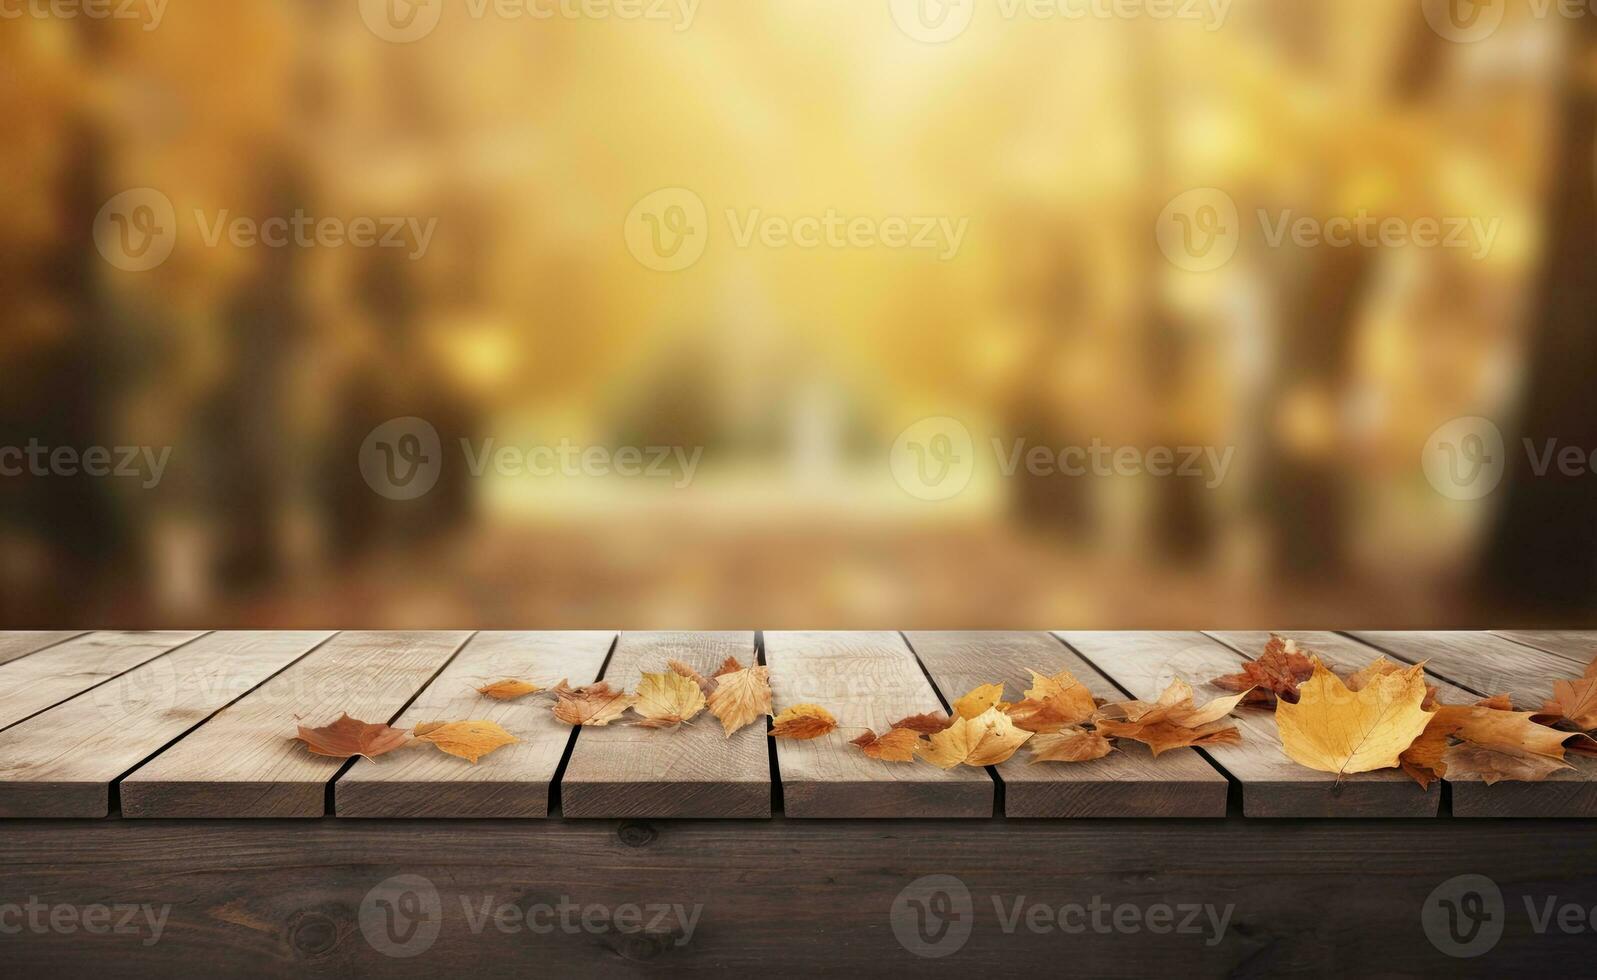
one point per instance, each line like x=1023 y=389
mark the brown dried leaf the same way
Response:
x=508 y=690
x=898 y=745
x=595 y=706
x=470 y=740
x=1574 y=702
x=1172 y=722
x=926 y=724
x=1052 y=704
x=1069 y=745
x=348 y=737
x=803 y=722
x=740 y=697
x=1276 y=674
x=730 y=665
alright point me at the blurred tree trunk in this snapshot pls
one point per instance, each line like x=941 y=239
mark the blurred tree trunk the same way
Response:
x=1542 y=554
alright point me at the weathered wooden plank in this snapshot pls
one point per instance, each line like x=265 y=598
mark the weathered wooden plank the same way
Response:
x=1272 y=784
x=33 y=683
x=622 y=770
x=340 y=898
x=1579 y=646
x=1487 y=664
x=62 y=762
x=245 y=763
x=1127 y=783
x=16 y=645
x=867 y=680
x=515 y=780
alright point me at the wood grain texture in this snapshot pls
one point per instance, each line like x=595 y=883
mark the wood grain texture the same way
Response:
x=1579 y=646
x=43 y=679
x=245 y=762
x=18 y=644
x=515 y=780
x=1129 y=782
x=62 y=762
x=867 y=680
x=1488 y=664
x=818 y=898
x=621 y=770
x=1272 y=784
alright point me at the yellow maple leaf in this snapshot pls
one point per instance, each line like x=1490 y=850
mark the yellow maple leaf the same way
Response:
x=667 y=700
x=740 y=696
x=508 y=690
x=1338 y=730
x=986 y=740
x=978 y=701
x=470 y=740
x=803 y=722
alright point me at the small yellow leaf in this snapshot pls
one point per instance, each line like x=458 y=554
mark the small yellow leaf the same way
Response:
x=898 y=745
x=508 y=690
x=470 y=740
x=803 y=722
x=976 y=703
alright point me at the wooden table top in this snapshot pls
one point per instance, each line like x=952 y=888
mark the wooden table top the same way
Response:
x=200 y=724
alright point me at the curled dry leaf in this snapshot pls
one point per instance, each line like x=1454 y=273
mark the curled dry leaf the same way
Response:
x=508 y=690
x=1575 y=701
x=976 y=703
x=1052 y=704
x=730 y=665
x=1074 y=744
x=1172 y=722
x=348 y=737
x=1276 y=674
x=1486 y=743
x=1335 y=729
x=925 y=724
x=898 y=745
x=667 y=700
x=595 y=706
x=740 y=697
x=986 y=740
x=470 y=740
x=803 y=722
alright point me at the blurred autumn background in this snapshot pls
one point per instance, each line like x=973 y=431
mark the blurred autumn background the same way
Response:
x=529 y=321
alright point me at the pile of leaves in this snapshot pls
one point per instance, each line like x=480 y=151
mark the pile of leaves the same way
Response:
x=1057 y=718
x=1385 y=716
